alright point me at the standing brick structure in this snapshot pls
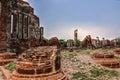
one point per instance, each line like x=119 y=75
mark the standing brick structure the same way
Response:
x=70 y=43
x=19 y=29
x=3 y=25
x=19 y=26
x=41 y=63
x=75 y=37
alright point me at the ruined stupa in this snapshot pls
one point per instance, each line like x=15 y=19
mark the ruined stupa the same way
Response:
x=105 y=58
x=41 y=63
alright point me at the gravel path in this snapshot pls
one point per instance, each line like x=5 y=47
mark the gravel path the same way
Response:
x=82 y=63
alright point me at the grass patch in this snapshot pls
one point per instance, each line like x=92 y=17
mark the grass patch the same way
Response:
x=107 y=49
x=117 y=57
x=95 y=72
x=74 y=60
x=80 y=75
x=66 y=53
x=112 y=73
x=86 y=51
x=11 y=66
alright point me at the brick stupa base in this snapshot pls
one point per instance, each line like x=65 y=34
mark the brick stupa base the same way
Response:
x=49 y=76
x=117 y=51
x=6 y=58
x=106 y=59
x=42 y=63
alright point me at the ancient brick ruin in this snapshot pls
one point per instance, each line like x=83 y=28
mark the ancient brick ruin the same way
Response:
x=42 y=63
x=6 y=58
x=105 y=58
x=19 y=26
x=89 y=43
x=20 y=33
x=117 y=51
x=75 y=38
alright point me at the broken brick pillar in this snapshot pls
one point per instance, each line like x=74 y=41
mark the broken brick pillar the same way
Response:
x=3 y=26
x=75 y=38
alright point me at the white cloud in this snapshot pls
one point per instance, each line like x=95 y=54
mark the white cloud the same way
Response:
x=26 y=0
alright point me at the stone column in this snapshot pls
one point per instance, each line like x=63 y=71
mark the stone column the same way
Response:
x=41 y=33
x=75 y=37
x=11 y=30
x=20 y=26
x=68 y=43
x=97 y=42
x=103 y=42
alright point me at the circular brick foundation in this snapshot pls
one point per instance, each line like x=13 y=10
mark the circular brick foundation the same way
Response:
x=112 y=63
x=102 y=55
x=106 y=59
x=40 y=63
x=48 y=76
x=6 y=58
x=117 y=50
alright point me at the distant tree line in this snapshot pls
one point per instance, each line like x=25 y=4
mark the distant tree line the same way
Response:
x=118 y=40
x=63 y=42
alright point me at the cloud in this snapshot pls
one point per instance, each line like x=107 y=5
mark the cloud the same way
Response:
x=26 y=0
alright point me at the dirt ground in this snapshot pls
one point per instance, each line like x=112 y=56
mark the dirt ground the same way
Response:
x=79 y=65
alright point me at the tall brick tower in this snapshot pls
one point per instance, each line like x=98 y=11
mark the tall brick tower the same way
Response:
x=75 y=37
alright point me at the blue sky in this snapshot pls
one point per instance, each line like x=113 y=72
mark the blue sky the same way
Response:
x=95 y=17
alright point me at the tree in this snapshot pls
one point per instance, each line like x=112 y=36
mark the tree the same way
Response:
x=78 y=43
x=63 y=42
x=118 y=40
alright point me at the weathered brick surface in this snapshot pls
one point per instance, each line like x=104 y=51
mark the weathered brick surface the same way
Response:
x=117 y=50
x=40 y=63
x=56 y=76
x=3 y=27
x=105 y=58
x=6 y=58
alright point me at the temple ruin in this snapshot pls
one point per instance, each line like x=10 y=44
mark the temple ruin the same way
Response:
x=20 y=32
x=19 y=26
x=41 y=63
x=105 y=58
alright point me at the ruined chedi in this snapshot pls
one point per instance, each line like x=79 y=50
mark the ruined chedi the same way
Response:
x=41 y=63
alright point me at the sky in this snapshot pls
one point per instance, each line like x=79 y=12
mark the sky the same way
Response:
x=91 y=17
